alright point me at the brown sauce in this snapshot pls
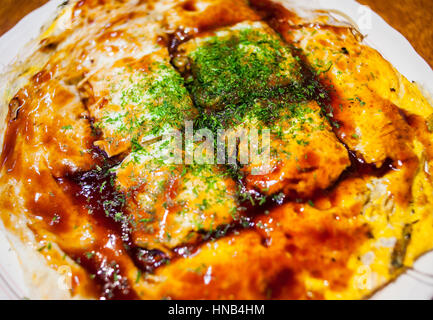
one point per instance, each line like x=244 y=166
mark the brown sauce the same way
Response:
x=94 y=191
x=16 y=126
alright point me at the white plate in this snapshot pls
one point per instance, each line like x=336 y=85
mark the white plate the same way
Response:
x=390 y=43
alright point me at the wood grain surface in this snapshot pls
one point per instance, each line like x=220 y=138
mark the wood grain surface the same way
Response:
x=412 y=18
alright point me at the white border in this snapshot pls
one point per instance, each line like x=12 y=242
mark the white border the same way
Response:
x=390 y=43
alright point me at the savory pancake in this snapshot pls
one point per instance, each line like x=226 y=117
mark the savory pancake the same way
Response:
x=111 y=166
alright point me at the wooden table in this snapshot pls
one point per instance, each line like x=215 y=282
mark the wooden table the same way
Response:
x=413 y=18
